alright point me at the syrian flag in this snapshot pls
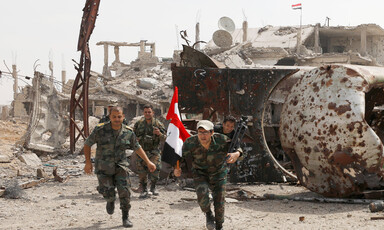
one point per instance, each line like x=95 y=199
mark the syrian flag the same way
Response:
x=296 y=6
x=176 y=133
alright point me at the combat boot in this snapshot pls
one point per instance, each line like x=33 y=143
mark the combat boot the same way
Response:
x=144 y=193
x=110 y=207
x=210 y=220
x=126 y=222
x=153 y=189
x=219 y=226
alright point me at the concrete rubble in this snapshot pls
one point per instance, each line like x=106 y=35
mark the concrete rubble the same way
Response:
x=30 y=159
x=316 y=45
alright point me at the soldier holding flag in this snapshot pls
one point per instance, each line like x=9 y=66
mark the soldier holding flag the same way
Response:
x=209 y=153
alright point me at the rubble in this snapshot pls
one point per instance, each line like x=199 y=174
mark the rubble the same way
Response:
x=316 y=45
x=4 y=159
x=30 y=159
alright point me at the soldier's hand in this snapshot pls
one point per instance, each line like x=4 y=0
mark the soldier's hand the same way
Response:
x=177 y=172
x=151 y=166
x=156 y=131
x=88 y=168
x=232 y=157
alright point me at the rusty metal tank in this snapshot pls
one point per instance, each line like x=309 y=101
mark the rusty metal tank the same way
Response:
x=331 y=126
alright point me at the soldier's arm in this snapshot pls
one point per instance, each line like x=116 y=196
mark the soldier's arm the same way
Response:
x=139 y=151
x=162 y=132
x=233 y=157
x=185 y=153
x=135 y=128
x=87 y=151
x=151 y=166
x=88 y=164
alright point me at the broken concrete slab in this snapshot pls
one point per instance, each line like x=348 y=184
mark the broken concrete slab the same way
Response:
x=4 y=159
x=146 y=83
x=30 y=159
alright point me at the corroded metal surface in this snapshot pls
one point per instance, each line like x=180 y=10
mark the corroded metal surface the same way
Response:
x=239 y=92
x=334 y=150
x=191 y=57
x=79 y=94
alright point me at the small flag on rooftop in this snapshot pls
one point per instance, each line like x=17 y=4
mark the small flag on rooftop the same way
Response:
x=296 y=6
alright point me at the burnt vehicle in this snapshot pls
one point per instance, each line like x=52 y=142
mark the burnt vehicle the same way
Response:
x=321 y=125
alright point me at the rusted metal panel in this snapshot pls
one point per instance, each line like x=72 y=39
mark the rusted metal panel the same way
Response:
x=191 y=57
x=334 y=150
x=239 y=92
x=79 y=94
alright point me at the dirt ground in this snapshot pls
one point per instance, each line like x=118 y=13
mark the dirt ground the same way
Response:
x=75 y=204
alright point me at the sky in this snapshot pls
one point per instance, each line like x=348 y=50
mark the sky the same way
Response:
x=33 y=32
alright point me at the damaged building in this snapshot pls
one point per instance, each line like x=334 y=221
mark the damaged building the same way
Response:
x=306 y=46
x=146 y=80
x=253 y=72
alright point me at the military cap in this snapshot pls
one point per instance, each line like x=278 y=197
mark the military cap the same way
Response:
x=205 y=124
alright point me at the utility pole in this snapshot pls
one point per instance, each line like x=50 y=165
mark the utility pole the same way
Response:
x=15 y=83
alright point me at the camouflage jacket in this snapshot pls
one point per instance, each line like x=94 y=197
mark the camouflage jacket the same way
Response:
x=145 y=136
x=211 y=161
x=111 y=146
x=106 y=119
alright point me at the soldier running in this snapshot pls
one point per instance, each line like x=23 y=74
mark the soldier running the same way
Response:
x=209 y=153
x=111 y=165
x=149 y=132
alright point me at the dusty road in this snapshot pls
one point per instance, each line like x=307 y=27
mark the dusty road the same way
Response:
x=76 y=205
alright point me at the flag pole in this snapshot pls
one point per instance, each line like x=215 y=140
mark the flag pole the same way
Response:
x=301 y=16
x=177 y=165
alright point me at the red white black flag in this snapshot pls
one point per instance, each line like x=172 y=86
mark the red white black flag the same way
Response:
x=296 y=6
x=176 y=133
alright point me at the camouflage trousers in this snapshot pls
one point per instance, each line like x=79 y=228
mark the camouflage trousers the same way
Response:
x=121 y=181
x=143 y=171
x=204 y=184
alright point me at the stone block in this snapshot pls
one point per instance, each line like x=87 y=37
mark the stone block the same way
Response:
x=4 y=159
x=147 y=83
x=30 y=159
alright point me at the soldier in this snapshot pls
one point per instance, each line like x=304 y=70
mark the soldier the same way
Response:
x=228 y=126
x=106 y=118
x=209 y=154
x=149 y=132
x=111 y=165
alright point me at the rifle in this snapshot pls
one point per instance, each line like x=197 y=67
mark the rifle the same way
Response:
x=239 y=134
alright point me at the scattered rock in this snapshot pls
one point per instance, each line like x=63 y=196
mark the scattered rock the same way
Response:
x=230 y=200
x=4 y=159
x=30 y=159
x=41 y=173
x=146 y=83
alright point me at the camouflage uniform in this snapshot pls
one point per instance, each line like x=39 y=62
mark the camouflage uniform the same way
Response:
x=151 y=145
x=209 y=171
x=111 y=165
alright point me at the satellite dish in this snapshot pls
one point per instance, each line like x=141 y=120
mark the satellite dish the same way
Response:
x=222 y=38
x=227 y=24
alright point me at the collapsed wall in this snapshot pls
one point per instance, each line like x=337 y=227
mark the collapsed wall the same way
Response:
x=48 y=125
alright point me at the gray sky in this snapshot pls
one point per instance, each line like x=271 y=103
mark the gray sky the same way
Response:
x=49 y=29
